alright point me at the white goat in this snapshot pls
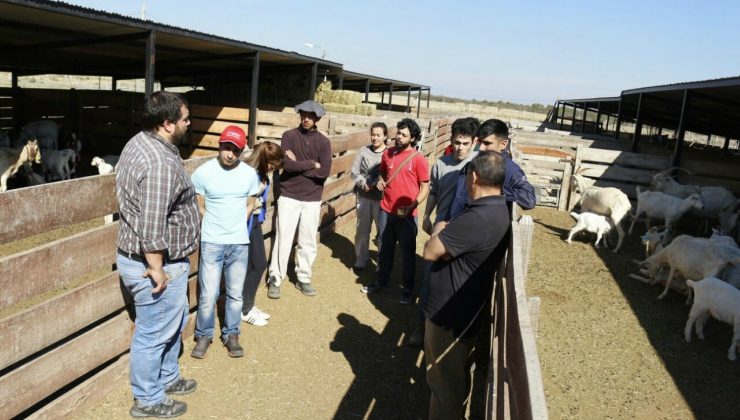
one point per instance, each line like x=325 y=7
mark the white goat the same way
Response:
x=658 y=205
x=609 y=202
x=715 y=198
x=715 y=298
x=45 y=131
x=111 y=159
x=591 y=222
x=12 y=159
x=103 y=168
x=693 y=258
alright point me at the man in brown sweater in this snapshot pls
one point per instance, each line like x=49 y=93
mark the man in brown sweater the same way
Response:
x=307 y=165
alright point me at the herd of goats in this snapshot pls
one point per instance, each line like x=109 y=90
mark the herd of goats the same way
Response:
x=709 y=266
x=38 y=143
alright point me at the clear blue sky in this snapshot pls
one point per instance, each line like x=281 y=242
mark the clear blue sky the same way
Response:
x=522 y=51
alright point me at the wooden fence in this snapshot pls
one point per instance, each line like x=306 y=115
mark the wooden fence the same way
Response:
x=64 y=321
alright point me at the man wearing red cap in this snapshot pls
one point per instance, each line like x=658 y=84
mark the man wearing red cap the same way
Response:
x=306 y=167
x=226 y=189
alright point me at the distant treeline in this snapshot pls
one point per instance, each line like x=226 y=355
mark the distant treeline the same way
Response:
x=538 y=108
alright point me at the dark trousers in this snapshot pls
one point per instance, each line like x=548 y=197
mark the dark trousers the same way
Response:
x=401 y=230
x=257 y=265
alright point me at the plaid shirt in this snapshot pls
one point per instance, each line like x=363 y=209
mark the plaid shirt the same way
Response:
x=156 y=199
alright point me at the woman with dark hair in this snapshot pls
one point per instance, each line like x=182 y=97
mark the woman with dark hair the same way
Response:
x=265 y=158
x=365 y=174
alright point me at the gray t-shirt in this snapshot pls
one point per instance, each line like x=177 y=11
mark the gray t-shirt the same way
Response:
x=443 y=180
x=365 y=171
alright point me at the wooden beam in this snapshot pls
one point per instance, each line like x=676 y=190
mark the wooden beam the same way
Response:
x=638 y=124
x=314 y=72
x=619 y=120
x=253 y=118
x=151 y=42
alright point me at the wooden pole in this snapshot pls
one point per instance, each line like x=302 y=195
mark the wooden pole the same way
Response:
x=314 y=73
x=151 y=41
x=638 y=124
x=619 y=120
x=253 y=100
x=681 y=131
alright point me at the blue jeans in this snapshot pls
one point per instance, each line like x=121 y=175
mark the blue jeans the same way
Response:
x=231 y=260
x=160 y=319
x=402 y=230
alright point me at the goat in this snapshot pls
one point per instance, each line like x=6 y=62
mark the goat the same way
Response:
x=658 y=205
x=591 y=222
x=111 y=159
x=12 y=159
x=103 y=168
x=715 y=198
x=693 y=258
x=653 y=240
x=45 y=131
x=609 y=202
x=715 y=298
x=59 y=164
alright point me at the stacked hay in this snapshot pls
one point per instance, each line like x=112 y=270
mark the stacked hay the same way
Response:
x=342 y=101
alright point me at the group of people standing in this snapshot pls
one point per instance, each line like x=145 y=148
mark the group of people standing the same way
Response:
x=166 y=215
x=470 y=190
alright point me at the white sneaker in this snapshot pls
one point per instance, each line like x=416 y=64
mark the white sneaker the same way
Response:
x=252 y=318
x=259 y=312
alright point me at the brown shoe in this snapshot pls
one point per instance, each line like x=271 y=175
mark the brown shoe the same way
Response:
x=201 y=347
x=233 y=347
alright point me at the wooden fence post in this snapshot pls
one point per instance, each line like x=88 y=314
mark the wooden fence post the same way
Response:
x=564 y=198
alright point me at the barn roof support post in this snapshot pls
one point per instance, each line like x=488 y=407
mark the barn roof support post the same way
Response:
x=253 y=100
x=638 y=124
x=418 y=103
x=619 y=120
x=340 y=83
x=429 y=95
x=408 y=99
x=14 y=80
x=390 y=97
x=312 y=85
x=151 y=42
x=554 y=113
x=367 y=90
x=598 y=119
x=113 y=83
x=573 y=119
x=606 y=124
x=562 y=116
x=382 y=97
x=583 y=118
x=726 y=146
x=681 y=131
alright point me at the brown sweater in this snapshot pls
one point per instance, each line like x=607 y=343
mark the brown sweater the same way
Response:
x=299 y=179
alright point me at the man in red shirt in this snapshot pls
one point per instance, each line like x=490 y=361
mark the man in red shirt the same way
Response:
x=404 y=180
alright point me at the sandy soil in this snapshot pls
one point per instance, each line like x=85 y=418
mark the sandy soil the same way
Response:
x=608 y=348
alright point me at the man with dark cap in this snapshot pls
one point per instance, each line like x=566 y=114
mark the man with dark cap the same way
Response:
x=307 y=165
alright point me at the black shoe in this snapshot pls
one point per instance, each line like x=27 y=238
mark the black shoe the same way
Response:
x=407 y=297
x=233 y=347
x=201 y=347
x=166 y=409
x=372 y=288
x=181 y=387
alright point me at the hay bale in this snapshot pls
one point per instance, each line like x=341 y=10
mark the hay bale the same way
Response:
x=341 y=108
x=365 y=109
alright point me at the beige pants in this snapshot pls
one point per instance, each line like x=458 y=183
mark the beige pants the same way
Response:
x=291 y=214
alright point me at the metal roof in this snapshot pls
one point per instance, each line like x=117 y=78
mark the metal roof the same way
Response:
x=714 y=105
x=42 y=36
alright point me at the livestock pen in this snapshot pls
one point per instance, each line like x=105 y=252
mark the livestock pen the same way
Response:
x=66 y=325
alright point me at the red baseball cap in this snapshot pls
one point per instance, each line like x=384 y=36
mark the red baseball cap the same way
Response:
x=234 y=135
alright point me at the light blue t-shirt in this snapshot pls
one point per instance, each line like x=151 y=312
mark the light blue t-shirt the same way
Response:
x=225 y=193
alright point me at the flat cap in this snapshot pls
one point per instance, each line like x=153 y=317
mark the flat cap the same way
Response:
x=311 y=106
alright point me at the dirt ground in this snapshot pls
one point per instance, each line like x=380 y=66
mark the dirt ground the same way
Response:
x=608 y=348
